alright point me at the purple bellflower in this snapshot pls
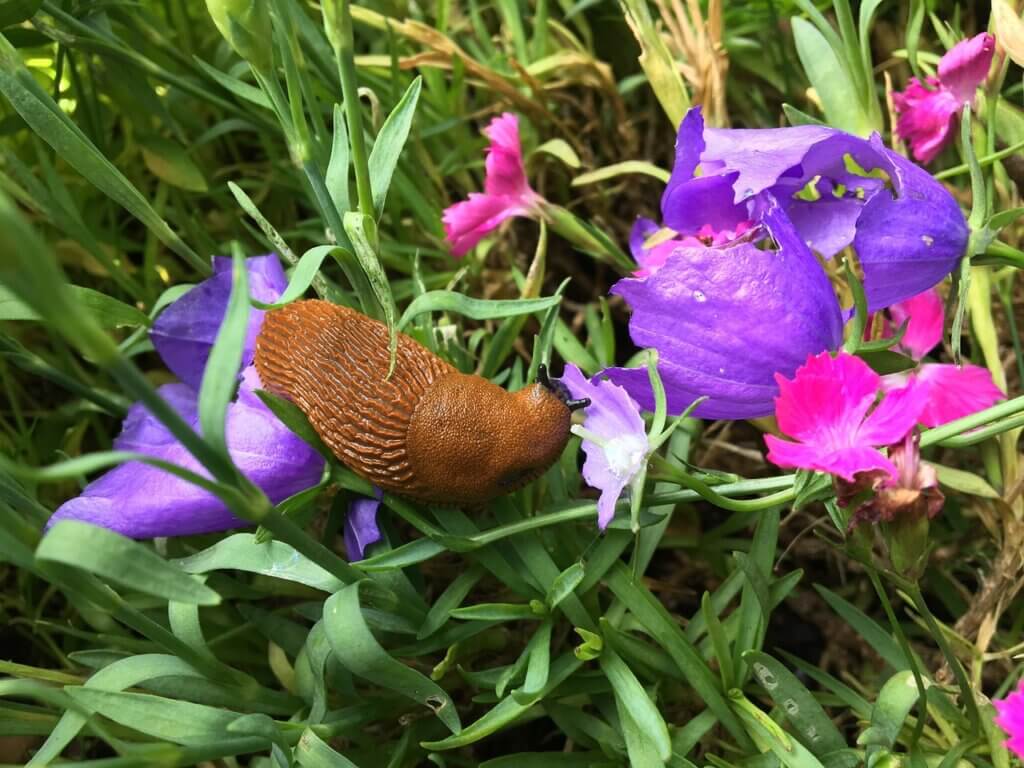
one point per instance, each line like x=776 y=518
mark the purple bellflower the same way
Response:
x=725 y=319
x=908 y=231
x=614 y=440
x=361 y=526
x=142 y=501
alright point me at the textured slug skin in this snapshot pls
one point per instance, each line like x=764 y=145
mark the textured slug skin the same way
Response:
x=429 y=432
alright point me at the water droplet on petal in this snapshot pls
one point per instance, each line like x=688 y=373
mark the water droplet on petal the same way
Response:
x=927 y=239
x=699 y=296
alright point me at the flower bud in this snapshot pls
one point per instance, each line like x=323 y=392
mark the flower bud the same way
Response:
x=245 y=24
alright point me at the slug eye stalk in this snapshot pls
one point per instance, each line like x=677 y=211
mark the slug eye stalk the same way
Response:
x=559 y=389
x=576 y=405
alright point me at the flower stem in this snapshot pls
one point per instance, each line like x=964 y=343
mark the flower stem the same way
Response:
x=345 y=54
x=667 y=470
x=901 y=638
x=939 y=435
x=987 y=160
x=966 y=691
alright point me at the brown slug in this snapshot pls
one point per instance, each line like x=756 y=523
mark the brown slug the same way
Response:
x=428 y=432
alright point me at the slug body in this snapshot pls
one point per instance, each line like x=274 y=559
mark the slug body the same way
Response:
x=428 y=432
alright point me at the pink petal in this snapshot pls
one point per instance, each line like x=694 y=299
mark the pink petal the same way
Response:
x=1011 y=719
x=926 y=118
x=468 y=222
x=965 y=66
x=895 y=415
x=826 y=399
x=505 y=172
x=845 y=462
x=954 y=392
x=926 y=314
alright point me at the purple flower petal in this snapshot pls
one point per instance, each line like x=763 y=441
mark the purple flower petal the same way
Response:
x=686 y=207
x=184 y=333
x=642 y=229
x=908 y=243
x=141 y=501
x=361 y=526
x=726 y=320
x=614 y=443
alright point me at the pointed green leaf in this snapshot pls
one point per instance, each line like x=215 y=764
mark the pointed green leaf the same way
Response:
x=50 y=123
x=336 y=177
x=477 y=309
x=358 y=651
x=122 y=561
x=390 y=141
x=220 y=378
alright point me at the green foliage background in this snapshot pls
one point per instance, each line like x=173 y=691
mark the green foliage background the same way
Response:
x=733 y=629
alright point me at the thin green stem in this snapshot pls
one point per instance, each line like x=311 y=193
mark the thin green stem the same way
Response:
x=979 y=419
x=704 y=491
x=999 y=253
x=345 y=53
x=901 y=638
x=783 y=484
x=966 y=692
x=984 y=433
x=987 y=160
x=979 y=197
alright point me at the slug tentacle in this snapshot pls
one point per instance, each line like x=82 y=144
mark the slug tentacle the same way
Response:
x=428 y=432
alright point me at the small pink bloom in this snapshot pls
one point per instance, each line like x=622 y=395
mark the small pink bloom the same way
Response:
x=924 y=315
x=1011 y=719
x=652 y=259
x=952 y=391
x=506 y=193
x=927 y=117
x=830 y=408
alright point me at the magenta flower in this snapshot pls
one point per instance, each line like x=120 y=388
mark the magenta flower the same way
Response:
x=614 y=439
x=830 y=408
x=952 y=391
x=908 y=233
x=928 y=116
x=361 y=526
x=142 y=501
x=1011 y=719
x=726 y=319
x=650 y=260
x=925 y=316
x=506 y=193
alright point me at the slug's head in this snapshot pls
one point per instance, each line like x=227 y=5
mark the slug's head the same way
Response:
x=476 y=441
